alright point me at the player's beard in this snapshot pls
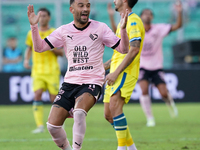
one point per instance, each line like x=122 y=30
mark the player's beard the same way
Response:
x=82 y=21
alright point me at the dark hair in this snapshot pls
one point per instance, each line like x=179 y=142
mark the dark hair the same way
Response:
x=145 y=10
x=71 y=2
x=45 y=10
x=12 y=38
x=131 y=3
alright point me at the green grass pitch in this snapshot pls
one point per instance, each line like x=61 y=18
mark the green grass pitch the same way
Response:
x=16 y=123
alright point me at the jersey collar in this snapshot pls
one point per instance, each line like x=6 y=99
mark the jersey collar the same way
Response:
x=130 y=13
x=81 y=29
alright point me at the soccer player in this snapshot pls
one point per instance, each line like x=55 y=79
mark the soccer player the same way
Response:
x=151 y=66
x=124 y=72
x=83 y=41
x=45 y=70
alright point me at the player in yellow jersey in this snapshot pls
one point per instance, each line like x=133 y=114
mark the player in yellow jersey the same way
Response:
x=45 y=69
x=124 y=72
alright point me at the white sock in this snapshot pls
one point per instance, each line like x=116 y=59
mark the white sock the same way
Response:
x=68 y=148
x=79 y=128
x=132 y=147
x=121 y=148
x=145 y=102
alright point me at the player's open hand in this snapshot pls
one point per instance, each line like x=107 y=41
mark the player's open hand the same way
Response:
x=178 y=6
x=33 y=18
x=124 y=18
x=110 y=10
x=111 y=78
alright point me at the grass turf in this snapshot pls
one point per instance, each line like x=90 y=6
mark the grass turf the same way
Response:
x=16 y=123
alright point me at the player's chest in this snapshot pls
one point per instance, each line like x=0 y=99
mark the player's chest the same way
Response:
x=80 y=41
x=152 y=35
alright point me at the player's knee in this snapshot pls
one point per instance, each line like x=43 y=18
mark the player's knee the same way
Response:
x=108 y=118
x=52 y=128
x=79 y=115
x=113 y=106
x=145 y=91
x=164 y=94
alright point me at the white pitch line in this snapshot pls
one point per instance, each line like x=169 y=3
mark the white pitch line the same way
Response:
x=96 y=139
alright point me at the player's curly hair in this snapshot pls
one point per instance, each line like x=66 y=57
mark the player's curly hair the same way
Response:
x=45 y=10
x=131 y=3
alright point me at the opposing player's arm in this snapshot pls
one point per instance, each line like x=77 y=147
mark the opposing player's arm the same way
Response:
x=179 y=20
x=27 y=57
x=111 y=13
x=128 y=59
x=107 y=64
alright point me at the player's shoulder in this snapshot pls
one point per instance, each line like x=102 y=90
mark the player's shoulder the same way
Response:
x=160 y=25
x=95 y=23
x=134 y=19
x=134 y=16
x=66 y=27
x=29 y=34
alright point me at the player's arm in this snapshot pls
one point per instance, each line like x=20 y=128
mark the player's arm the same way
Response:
x=27 y=56
x=58 y=51
x=179 y=20
x=128 y=59
x=123 y=46
x=6 y=60
x=11 y=61
x=111 y=16
x=107 y=64
x=39 y=44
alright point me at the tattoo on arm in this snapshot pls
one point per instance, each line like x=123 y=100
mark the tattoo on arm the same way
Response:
x=107 y=64
x=135 y=44
x=128 y=64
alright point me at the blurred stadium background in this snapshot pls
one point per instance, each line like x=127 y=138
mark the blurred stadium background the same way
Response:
x=177 y=46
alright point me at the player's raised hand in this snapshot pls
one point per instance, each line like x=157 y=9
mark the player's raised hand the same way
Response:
x=110 y=10
x=124 y=18
x=33 y=18
x=178 y=6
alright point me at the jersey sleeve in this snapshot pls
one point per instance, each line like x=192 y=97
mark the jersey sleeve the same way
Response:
x=55 y=38
x=29 y=41
x=109 y=38
x=134 y=32
x=164 y=29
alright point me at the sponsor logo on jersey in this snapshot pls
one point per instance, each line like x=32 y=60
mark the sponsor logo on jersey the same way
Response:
x=133 y=24
x=93 y=36
x=71 y=37
x=80 y=68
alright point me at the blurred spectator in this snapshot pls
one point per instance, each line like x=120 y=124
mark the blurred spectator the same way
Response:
x=12 y=57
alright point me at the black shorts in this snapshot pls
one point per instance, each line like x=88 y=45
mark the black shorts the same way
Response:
x=69 y=92
x=155 y=76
